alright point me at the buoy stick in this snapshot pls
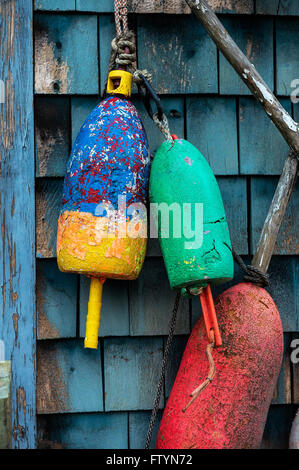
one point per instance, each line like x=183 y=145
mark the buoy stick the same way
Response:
x=94 y=313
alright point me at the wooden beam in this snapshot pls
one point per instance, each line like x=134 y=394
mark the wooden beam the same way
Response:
x=17 y=272
x=283 y=121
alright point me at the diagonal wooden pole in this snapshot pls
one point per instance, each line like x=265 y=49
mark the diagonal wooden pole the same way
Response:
x=282 y=120
x=248 y=73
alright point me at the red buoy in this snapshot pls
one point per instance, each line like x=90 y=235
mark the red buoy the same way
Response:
x=231 y=412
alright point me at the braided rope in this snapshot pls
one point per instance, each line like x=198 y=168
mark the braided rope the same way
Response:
x=163 y=126
x=252 y=274
x=162 y=373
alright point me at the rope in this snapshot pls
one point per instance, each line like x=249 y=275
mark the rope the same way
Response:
x=121 y=17
x=210 y=376
x=162 y=373
x=252 y=274
x=163 y=126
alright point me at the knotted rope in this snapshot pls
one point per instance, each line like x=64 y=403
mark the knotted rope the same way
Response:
x=252 y=274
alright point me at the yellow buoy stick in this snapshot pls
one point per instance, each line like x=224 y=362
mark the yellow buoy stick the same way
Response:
x=94 y=313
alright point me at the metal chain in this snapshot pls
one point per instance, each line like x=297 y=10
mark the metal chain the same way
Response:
x=162 y=373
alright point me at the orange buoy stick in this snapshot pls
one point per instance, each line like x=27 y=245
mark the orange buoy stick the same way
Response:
x=209 y=314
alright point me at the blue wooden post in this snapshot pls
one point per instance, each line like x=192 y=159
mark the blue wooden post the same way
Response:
x=17 y=272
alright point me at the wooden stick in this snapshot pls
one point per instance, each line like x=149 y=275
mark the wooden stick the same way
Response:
x=276 y=213
x=282 y=120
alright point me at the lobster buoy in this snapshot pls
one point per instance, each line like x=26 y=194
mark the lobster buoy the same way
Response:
x=102 y=227
x=182 y=178
x=231 y=412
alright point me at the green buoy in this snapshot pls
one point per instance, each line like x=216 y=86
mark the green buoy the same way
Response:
x=196 y=245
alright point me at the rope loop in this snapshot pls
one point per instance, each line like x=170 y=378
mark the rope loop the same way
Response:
x=252 y=274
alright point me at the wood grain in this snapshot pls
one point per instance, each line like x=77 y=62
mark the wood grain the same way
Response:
x=131 y=377
x=205 y=121
x=180 y=64
x=287 y=36
x=277 y=7
x=66 y=54
x=248 y=73
x=55 y=5
x=138 y=427
x=56 y=297
x=17 y=274
x=152 y=301
x=234 y=195
x=48 y=203
x=52 y=129
x=69 y=377
x=263 y=150
x=280 y=217
x=84 y=431
x=254 y=36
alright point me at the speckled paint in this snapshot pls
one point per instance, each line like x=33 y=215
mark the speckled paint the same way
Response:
x=231 y=412
x=180 y=174
x=109 y=159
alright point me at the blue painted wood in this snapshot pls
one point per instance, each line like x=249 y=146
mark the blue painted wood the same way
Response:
x=277 y=7
x=131 y=373
x=287 y=36
x=138 y=427
x=176 y=353
x=69 y=377
x=254 y=36
x=263 y=150
x=52 y=128
x=283 y=288
x=212 y=127
x=152 y=301
x=180 y=64
x=56 y=296
x=234 y=195
x=278 y=426
x=17 y=274
x=84 y=431
x=262 y=191
x=66 y=54
x=115 y=308
x=55 y=5
x=101 y=6
x=106 y=34
x=173 y=107
x=81 y=106
x=48 y=204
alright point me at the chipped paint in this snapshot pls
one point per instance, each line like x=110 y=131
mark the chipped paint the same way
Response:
x=52 y=396
x=231 y=412
x=109 y=160
x=49 y=72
